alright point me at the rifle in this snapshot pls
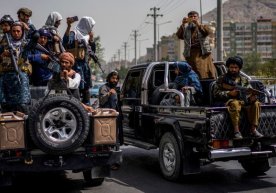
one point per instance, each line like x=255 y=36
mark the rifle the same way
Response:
x=91 y=52
x=243 y=90
x=13 y=60
x=96 y=60
x=54 y=65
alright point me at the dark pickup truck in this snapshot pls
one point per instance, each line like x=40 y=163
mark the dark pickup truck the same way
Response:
x=58 y=135
x=190 y=137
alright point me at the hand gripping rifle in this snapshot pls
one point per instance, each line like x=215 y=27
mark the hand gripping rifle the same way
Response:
x=243 y=90
x=13 y=60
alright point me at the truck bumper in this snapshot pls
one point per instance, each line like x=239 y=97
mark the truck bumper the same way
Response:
x=238 y=152
x=41 y=162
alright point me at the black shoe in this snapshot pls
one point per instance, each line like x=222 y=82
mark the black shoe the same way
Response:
x=238 y=135
x=256 y=134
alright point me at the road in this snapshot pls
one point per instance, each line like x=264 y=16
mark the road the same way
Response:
x=140 y=173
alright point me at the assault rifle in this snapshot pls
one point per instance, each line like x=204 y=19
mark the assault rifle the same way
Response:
x=53 y=65
x=243 y=90
x=13 y=60
x=96 y=60
x=91 y=51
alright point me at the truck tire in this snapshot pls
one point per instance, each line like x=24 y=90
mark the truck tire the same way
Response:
x=157 y=96
x=59 y=124
x=255 y=167
x=87 y=175
x=169 y=157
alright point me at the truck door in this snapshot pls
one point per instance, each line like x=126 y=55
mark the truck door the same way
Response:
x=131 y=103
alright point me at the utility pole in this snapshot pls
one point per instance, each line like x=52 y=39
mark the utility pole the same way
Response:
x=119 y=57
x=219 y=31
x=125 y=47
x=200 y=11
x=154 y=15
x=135 y=45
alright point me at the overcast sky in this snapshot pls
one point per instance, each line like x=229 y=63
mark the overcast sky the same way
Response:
x=115 y=19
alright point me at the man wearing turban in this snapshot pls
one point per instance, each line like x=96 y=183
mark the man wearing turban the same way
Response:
x=225 y=92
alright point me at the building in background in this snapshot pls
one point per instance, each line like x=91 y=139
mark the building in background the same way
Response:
x=247 y=37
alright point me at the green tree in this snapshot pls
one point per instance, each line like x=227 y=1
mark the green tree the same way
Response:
x=123 y=72
x=269 y=68
x=252 y=64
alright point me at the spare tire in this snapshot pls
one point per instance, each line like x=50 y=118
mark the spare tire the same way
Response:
x=157 y=96
x=59 y=124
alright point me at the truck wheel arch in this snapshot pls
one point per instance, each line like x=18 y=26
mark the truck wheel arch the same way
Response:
x=169 y=125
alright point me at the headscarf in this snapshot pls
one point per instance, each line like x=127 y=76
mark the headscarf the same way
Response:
x=68 y=57
x=183 y=67
x=83 y=28
x=53 y=18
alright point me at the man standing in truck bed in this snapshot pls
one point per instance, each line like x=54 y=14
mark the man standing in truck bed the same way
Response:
x=197 y=49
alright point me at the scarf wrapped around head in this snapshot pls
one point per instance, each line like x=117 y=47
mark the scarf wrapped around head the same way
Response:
x=68 y=57
x=83 y=28
x=183 y=67
x=53 y=18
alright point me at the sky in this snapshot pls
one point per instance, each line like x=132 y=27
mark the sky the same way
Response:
x=115 y=19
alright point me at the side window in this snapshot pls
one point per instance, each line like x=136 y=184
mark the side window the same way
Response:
x=132 y=85
x=158 y=78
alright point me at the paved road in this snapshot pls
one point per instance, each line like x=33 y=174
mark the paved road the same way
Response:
x=140 y=173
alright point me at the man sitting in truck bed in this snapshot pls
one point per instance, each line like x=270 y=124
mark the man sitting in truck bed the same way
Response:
x=226 y=92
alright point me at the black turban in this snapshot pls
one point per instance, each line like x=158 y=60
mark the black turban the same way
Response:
x=234 y=60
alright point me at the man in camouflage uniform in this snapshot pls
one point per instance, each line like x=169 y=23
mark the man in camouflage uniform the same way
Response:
x=14 y=87
x=226 y=93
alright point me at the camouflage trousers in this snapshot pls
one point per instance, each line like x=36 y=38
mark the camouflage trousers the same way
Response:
x=235 y=106
x=12 y=92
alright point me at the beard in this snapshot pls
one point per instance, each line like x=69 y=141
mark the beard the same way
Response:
x=112 y=84
x=234 y=74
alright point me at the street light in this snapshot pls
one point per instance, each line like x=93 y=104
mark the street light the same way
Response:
x=162 y=24
x=158 y=26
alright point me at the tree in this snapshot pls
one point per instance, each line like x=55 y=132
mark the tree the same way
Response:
x=269 y=68
x=123 y=72
x=252 y=64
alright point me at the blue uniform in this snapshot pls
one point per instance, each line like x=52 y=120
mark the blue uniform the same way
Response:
x=41 y=74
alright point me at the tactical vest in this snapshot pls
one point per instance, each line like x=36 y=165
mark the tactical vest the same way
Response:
x=204 y=42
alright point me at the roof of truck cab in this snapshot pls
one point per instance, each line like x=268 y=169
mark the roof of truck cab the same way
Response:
x=139 y=66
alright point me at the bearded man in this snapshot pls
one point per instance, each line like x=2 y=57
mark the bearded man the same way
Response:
x=225 y=92
x=197 y=49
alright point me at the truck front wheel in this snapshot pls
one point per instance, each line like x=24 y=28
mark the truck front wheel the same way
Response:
x=169 y=157
x=255 y=167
